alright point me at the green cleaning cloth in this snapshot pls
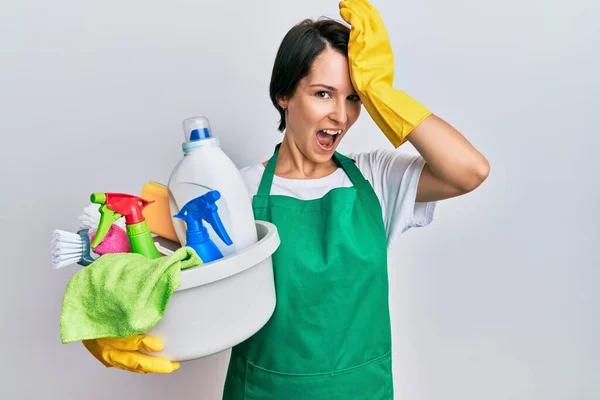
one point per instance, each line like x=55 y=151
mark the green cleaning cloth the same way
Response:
x=121 y=294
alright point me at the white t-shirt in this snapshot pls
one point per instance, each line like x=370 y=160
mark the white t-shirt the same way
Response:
x=393 y=175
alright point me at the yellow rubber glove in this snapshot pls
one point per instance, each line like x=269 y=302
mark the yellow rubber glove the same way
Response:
x=123 y=354
x=371 y=63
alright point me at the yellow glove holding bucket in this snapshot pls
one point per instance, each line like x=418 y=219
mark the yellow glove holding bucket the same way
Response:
x=371 y=63
x=123 y=354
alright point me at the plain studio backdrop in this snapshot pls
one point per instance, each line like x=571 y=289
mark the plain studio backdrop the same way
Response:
x=496 y=299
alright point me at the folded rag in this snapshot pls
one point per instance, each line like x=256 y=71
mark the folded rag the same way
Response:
x=121 y=294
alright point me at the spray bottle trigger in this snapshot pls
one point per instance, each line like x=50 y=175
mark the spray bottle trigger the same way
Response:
x=107 y=218
x=212 y=217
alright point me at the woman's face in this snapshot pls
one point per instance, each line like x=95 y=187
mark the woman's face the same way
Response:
x=323 y=108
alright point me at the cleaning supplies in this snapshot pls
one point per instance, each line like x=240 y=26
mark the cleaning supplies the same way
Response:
x=116 y=205
x=70 y=248
x=196 y=210
x=221 y=304
x=158 y=216
x=206 y=167
x=121 y=295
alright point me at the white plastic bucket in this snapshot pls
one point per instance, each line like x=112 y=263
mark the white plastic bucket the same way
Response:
x=220 y=304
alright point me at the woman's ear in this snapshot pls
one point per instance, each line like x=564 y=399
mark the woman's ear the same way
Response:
x=283 y=102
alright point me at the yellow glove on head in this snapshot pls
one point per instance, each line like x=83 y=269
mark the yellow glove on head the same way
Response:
x=123 y=354
x=371 y=63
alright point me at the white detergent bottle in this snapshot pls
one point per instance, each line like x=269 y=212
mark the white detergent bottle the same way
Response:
x=203 y=168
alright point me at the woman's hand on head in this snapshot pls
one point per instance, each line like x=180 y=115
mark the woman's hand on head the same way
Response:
x=370 y=53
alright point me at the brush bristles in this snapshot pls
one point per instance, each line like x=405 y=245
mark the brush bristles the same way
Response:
x=66 y=248
x=66 y=237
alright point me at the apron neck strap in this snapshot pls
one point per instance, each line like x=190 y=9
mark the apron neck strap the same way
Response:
x=267 y=179
x=350 y=168
x=347 y=164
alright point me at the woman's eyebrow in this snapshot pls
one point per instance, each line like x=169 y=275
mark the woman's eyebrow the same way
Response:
x=325 y=86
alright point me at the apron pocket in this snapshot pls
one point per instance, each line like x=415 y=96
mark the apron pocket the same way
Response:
x=370 y=381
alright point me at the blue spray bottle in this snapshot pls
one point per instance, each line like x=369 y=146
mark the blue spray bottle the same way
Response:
x=197 y=237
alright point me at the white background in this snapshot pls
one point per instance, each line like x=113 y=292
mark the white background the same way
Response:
x=497 y=299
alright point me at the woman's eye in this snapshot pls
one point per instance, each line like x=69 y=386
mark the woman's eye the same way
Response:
x=354 y=97
x=323 y=95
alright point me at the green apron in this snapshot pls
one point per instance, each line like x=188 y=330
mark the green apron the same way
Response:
x=330 y=334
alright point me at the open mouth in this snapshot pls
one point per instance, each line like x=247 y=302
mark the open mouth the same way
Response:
x=327 y=138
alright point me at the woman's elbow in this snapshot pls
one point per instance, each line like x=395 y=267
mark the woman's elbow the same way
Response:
x=476 y=173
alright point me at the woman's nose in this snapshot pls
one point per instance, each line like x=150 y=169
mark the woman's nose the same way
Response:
x=339 y=113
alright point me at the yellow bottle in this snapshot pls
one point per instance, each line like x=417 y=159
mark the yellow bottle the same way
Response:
x=158 y=216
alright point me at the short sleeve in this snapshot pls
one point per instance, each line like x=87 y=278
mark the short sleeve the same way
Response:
x=395 y=176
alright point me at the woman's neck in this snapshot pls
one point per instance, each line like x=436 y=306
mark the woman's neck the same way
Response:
x=292 y=164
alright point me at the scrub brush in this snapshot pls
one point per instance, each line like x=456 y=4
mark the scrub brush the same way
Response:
x=69 y=248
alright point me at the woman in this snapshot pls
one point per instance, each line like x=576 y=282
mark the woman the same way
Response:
x=330 y=336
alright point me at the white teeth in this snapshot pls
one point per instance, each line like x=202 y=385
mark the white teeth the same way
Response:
x=330 y=132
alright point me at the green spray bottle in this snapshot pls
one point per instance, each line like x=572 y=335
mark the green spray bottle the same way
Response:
x=116 y=205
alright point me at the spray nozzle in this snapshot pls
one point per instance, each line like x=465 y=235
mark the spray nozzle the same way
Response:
x=114 y=206
x=204 y=208
x=196 y=210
